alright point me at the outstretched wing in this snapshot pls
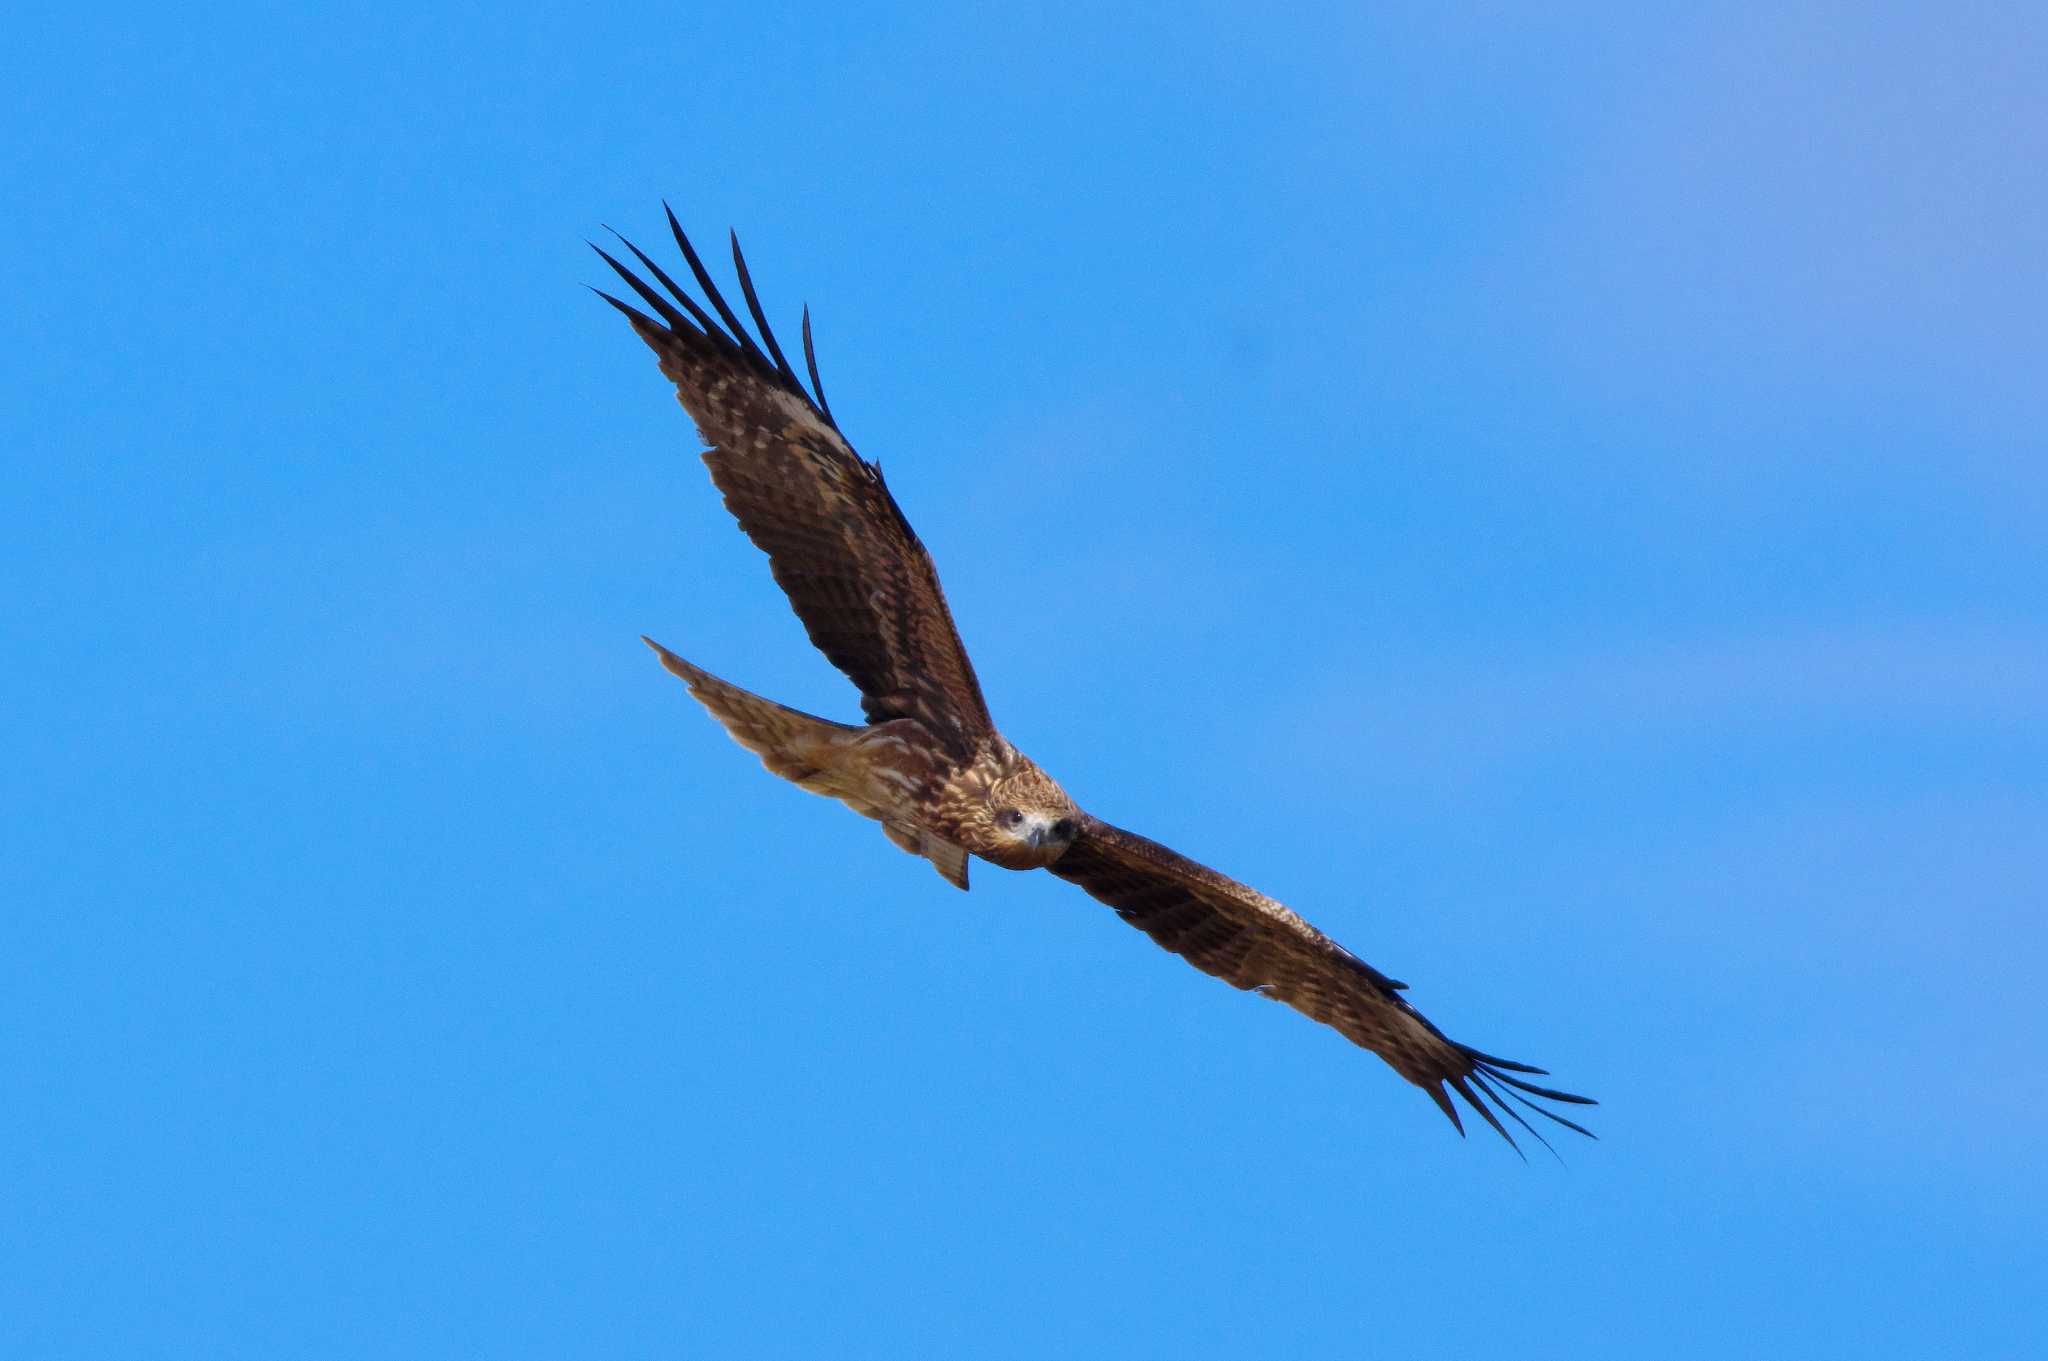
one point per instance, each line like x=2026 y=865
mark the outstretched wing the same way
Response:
x=1249 y=941
x=836 y=540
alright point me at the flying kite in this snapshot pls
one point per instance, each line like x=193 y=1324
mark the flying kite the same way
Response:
x=929 y=764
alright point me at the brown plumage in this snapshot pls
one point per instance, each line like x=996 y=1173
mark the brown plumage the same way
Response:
x=929 y=764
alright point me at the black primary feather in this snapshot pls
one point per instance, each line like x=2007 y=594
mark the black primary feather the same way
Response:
x=633 y=314
x=811 y=363
x=1513 y=1114
x=739 y=264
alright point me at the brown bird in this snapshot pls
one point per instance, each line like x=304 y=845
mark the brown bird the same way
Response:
x=929 y=764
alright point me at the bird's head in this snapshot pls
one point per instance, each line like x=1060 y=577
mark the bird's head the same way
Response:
x=1030 y=819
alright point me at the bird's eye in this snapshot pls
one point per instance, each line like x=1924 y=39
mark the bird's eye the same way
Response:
x=1063 y=829
x=1009 y=817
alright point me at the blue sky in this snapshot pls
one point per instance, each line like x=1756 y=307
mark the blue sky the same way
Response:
x=1555 y=497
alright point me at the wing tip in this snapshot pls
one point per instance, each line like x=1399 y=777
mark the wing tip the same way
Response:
x=1487 y=1088
x=1443 y=1103
x=1463 y=1088
x=699 y=326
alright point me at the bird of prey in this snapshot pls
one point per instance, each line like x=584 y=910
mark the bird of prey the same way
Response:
x=929 y=763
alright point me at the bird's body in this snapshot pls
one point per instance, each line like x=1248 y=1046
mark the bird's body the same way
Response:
x=929 y=763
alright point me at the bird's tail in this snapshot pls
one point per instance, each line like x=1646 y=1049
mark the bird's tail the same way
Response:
x=821 y=756
x=795 y=745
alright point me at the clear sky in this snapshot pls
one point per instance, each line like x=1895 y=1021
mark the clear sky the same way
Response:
x=1554 y=493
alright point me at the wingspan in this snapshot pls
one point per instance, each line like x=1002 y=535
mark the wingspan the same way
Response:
x=1249 y=941
x=837 y=542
